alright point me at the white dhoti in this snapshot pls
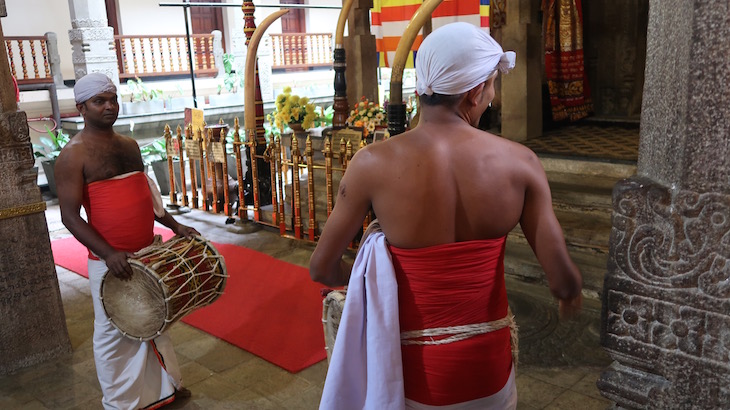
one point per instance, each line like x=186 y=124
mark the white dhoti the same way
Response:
x=132 y=374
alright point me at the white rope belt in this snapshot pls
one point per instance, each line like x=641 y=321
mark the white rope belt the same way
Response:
x=463 y=332
x=457 y=333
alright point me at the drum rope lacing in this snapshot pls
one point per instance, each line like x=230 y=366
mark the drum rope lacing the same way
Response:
x=179 y=252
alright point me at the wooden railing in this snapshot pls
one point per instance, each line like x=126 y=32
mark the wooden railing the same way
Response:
x=29 y=59
x=301 y=51
x=165 y=55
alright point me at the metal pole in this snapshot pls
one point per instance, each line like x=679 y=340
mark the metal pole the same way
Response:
x=186 y=10
x=287 y=6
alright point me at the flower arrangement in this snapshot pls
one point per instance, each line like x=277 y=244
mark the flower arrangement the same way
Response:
x=367 y=115
x=292 y=109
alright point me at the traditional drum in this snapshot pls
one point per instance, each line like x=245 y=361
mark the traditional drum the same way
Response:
x=170 y=280
x=332 y=307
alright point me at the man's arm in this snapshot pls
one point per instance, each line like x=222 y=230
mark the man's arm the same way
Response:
x=69 y=171
x=543 y=232
x=353 y=202
x=178 y=228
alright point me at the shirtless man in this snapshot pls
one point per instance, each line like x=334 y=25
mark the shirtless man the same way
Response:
x=444 y=192
x=104 y=172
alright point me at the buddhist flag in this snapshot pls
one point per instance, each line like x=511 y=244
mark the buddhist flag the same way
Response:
x=390 y=18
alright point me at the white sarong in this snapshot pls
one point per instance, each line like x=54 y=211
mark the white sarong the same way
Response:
x=130 y=373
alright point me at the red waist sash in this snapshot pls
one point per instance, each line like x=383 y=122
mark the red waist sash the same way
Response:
x=120 y=210
x=451 y=285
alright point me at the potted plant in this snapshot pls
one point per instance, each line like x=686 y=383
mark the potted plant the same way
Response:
x=48 y=151
x=142 y=99
x=179 y=102
x=368 y=115
x=232 y=82
x=154 y=154
x=292 y=111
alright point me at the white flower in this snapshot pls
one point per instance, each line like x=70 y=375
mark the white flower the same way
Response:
x=131 y=126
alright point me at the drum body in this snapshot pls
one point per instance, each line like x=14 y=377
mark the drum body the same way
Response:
x=332 y=307
x=170 y=280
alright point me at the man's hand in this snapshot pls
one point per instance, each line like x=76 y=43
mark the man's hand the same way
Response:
x=118 y=265
x=569 y=308
x=186 y=231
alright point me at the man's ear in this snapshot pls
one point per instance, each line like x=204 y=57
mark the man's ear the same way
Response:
x=473 y=96
x=80 y=107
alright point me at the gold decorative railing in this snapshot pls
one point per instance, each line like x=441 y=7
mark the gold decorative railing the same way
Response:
x=149 y=56
x=300 y=51
x=303 y=183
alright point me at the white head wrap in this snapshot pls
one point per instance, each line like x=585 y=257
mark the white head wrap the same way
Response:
x=91 y=85
x=456 y=58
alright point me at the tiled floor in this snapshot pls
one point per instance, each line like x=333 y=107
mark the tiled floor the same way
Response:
x=222 y=376
x=590 y=141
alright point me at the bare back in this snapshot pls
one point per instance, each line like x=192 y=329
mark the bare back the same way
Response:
x=436 y=185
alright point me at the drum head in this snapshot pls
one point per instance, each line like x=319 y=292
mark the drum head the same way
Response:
x=137 y=306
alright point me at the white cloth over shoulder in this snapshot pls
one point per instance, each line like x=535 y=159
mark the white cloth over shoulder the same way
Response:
x=366 y=369
x=456 y=58
x=91 y=85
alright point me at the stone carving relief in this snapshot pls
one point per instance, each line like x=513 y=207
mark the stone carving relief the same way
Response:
x=90 y=34
x=14 y=129
x=668 y=327
x=673 y=239
x=88 y=23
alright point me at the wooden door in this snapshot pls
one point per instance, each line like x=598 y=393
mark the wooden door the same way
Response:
x=293 y=21
x=204 y=20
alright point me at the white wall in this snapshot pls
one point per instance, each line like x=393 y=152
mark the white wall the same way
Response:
x=37 y=17
x=138 y=17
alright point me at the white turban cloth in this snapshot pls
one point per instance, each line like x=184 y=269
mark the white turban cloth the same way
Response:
x=457 y=57
x=91 y=85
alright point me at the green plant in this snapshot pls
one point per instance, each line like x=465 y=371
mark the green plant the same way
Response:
x=50 y=146
x=324 y=116
x=139 y=91
x=154 y=151
x=232 y=80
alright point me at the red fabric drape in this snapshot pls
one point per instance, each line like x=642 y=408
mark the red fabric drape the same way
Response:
x=450 y=285
x=121 y=212
x=570 y=96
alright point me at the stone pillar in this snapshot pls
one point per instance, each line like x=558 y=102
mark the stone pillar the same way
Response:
x=54 y=58
x=666 y=301
x=218 y=52
x=362 y=64
x=521 y=97
x=265 y=62
x=92 y=40
x=32 y=321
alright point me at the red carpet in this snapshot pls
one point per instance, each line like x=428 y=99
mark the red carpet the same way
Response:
x=269 y=307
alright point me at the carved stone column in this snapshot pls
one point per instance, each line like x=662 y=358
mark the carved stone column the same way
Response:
x=92 y=40
x=32 y=321
x=362 y=64
x=666 y=302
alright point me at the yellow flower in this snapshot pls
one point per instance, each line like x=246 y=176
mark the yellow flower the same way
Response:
x=287 y=90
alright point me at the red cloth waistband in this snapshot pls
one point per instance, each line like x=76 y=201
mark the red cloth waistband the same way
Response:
x=450 y=285
x=120 y=210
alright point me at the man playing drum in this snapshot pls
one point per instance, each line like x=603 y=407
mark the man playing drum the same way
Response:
x=104 y=172
x=446 y=195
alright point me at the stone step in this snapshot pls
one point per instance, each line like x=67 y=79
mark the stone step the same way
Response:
x=520 y=262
